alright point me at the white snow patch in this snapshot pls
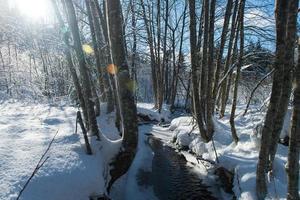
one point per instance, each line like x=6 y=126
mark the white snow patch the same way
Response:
x=26 y=130
x=149 y=110
x=243 y=157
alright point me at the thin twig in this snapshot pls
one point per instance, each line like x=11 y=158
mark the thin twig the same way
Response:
x=255 y=88
x=38 y=166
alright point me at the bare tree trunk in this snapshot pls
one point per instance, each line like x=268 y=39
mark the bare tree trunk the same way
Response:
x=99 y=60
x=204 y=66
x=281 y=21
x=294 y=142
x=150 y=41
x=287 y=79
x=134 y=48
x=160 y=67
x=102 y=38
x=210 y=71
x=223 y=90
x=222 y=45
x=195 y=68
x=238 y=71
x=82 y=68
x=68 y=55
x=128 y=111
x=165 y=67
x=95 y=97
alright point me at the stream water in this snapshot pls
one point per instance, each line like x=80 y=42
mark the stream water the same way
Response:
x=171 y=178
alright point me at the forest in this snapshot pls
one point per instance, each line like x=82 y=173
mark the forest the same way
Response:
x=149 y=99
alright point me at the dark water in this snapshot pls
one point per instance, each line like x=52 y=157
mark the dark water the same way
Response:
x=171 y=178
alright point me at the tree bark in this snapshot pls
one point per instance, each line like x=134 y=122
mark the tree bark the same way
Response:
x=128 y=110
x=287 y=79
x=150 y=41
x=102 y=39
x=294 y=142
x=99 y=60
x=134 y=47
x=195 y=70
x=222 y=46
x=281 y=21
x=87 y=92
x=210 y=71
x=72 y=69
x=238 y=71
x=223 y=90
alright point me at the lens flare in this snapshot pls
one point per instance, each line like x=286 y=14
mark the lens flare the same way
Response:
x=112 y=69
x=87 y=49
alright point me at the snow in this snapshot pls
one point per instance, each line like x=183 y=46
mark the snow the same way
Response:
x=149 y=110
x=241 y=158
x=286 y=124
x=127 y=187
x=26 y=130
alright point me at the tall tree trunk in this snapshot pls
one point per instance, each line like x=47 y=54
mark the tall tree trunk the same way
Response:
x=71 y=66
x=102 y=39
x=195 y=71
x=82 y=68
x=177 y=67
x=99 y=60
x=223 y=90
x=287 y=79
x=238 y=71
x=281 y=21
x=160 y=67
x=210 y=71
x=165 y=67
x=128 y=110
x=204 y=66
x=134 y=47
x=294 y=142
x=222 y=46
x=150 y=41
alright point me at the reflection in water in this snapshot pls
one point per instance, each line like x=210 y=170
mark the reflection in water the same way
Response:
x=171 y=178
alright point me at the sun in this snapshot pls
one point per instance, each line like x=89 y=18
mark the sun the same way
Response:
x=33 y=9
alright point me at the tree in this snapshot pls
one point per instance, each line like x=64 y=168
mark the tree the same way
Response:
x=294 y=142
x=124 y=92
x=226 y=80
x=203 y=82
x=86 y=84
x=286 y=13
x=227 y=16
x=195 y=70
x=238 y=71
x=68 y=54
x=102 y=40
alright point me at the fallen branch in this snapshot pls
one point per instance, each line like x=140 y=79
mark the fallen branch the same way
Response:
x=200 y=158
x=38 y=166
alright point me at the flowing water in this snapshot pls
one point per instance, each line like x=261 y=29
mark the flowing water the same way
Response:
x=171 y=178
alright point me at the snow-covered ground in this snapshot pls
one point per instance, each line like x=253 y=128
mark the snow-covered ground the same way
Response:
x=149 y=110
x=26 y=130
x=241 y=158
x=127 y=187
x=69 y=173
